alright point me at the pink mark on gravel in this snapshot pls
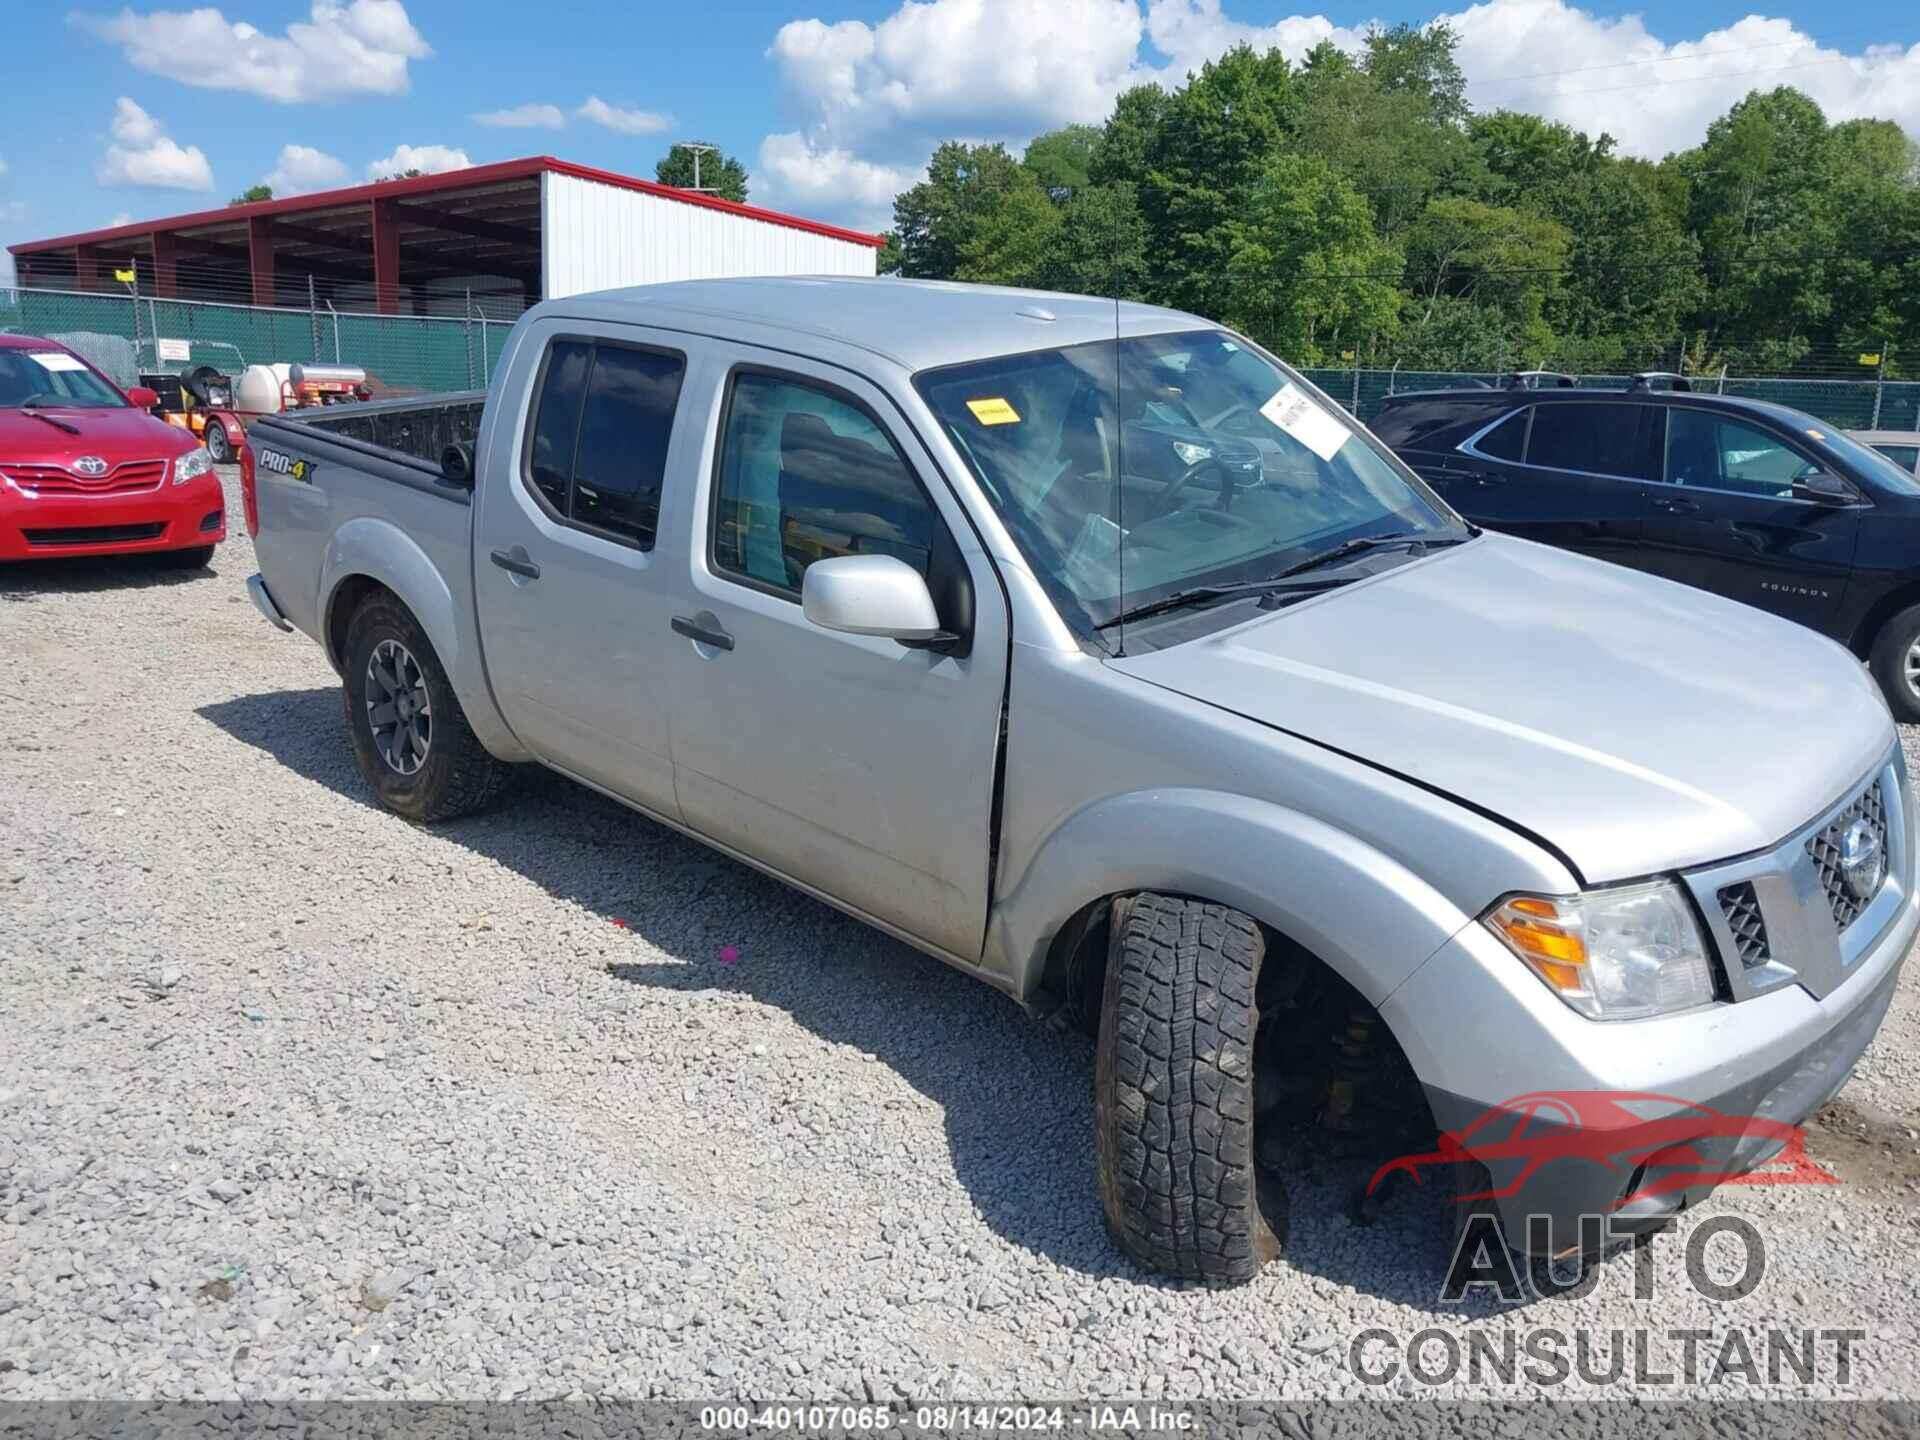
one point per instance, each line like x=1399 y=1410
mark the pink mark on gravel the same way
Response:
x=729 y=954
x=619 y=923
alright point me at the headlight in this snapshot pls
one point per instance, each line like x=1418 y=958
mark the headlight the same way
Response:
x=1619 y=954
x=192 y=464
x=1191 y=454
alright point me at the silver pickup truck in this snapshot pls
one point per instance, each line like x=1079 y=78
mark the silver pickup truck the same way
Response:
x=1095 y=652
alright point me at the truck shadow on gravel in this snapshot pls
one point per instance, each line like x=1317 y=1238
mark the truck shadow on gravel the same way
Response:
x=1015 y=1095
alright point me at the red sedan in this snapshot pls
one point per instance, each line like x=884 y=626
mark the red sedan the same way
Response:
x=85 y=470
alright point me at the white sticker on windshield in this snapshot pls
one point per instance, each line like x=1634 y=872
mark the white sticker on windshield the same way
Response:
x=1295 y=412
x=54 y=360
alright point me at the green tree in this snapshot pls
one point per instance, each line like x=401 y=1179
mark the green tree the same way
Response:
x=252 y=194
x=1062 y=160
x=1418 y=61
x=935 y=221
x=1208 y=153
x=1129 y=136
x=1012 y=241
x=1311 y=278
x=720 y=173
x=1100 y=247
x=1505 y=262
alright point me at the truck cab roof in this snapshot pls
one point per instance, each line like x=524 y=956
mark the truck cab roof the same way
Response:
x=917 y=324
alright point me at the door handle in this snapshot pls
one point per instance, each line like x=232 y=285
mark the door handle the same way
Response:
x=694 y=630
x=1675 y=507
x=515 y=562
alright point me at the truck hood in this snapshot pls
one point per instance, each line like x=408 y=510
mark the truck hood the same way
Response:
x=113 y=435
x=1631 y=723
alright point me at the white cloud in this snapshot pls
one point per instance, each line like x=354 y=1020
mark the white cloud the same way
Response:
x=429 y=159
x=3 y=164
x=524 y=117
x=869 y=102
x=142 y=153
x=813 y=181
x=623 y=119
x=344 y=47
x=301 y=169
x=120 y=217
x=1656 y=96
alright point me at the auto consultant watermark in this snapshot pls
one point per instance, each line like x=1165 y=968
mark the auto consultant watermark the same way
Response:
x=1550 y=1182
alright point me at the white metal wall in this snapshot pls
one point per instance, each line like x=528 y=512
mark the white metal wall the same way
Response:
x=596 y=237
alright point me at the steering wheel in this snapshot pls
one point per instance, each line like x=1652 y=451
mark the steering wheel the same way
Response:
x=1170 y=495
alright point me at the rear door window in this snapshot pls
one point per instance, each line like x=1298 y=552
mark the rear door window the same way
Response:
x=1597 y=439
x=1907 y=457
x=597 y=451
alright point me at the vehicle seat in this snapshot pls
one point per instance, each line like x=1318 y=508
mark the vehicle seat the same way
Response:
x=1692 y=458
x=841 y=496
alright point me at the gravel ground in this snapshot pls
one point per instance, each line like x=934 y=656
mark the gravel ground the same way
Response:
x=297 y=1100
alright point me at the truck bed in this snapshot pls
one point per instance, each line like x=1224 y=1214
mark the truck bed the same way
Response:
x=329 y=480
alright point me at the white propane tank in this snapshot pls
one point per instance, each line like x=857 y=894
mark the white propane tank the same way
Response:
x=259 y=389
x=303 y=374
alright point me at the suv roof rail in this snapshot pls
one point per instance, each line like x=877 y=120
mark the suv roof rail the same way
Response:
x=1534 y=379
x=1675 y=381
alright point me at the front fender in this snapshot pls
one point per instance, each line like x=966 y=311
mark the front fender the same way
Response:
x=381 y=551
x=1360 y=911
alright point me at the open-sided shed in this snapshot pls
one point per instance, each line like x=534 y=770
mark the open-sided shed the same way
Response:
x=513 y=233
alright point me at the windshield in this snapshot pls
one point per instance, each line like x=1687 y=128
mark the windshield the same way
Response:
x=1130 y=472
x=52 y=378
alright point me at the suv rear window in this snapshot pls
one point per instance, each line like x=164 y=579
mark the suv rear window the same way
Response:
x=1598 y=439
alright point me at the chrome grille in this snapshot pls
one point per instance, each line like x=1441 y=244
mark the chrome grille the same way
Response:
x=1742 y=909
x=1823 y=848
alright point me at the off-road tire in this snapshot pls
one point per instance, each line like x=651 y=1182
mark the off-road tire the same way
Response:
x=1888 y=662
x=1173 y=1090
x=195 y=557
x=458 y=776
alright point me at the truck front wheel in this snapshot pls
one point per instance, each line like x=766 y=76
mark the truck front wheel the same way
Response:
x=409 y=734
x=1173 y=1089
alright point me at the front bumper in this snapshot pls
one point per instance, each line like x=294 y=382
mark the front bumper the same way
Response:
x=1482 y=1032
x=167 y=517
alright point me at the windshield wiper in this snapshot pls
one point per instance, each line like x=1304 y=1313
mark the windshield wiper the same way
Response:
x=1200 y=594
x=1283 y=580
x=49 y=420
x=1346 y=549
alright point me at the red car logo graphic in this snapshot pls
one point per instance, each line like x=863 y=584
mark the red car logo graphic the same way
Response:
x=1623 y=1131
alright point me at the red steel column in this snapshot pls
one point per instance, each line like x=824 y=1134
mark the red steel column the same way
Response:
x=260 y=258
x=386 y=258
x=86 y=268
x=166 y=260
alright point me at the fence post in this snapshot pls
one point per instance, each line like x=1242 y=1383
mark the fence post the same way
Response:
x=486 y=379
x=1356 y=388
x=1879 y=384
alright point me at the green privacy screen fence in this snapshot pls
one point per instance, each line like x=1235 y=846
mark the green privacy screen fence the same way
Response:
x=407 y=352
x=401 y=352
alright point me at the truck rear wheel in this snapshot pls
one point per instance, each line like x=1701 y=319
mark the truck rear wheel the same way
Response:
x=409 y=734
x=1173 y=1090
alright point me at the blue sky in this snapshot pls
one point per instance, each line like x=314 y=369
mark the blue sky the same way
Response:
x=148 y=110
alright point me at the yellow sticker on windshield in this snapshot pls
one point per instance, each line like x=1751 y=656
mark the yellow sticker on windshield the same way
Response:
x=994 y=411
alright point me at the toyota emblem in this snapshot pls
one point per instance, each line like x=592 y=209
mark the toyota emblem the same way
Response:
x=1863 y=860
x=89 y=465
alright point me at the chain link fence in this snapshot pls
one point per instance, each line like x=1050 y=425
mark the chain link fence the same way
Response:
x=1846 y=404
x=408 y=353
x=121 y=334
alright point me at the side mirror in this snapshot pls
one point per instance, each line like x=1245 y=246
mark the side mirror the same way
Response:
x=141 y=398
x=1824 y=489
x=872 y=595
